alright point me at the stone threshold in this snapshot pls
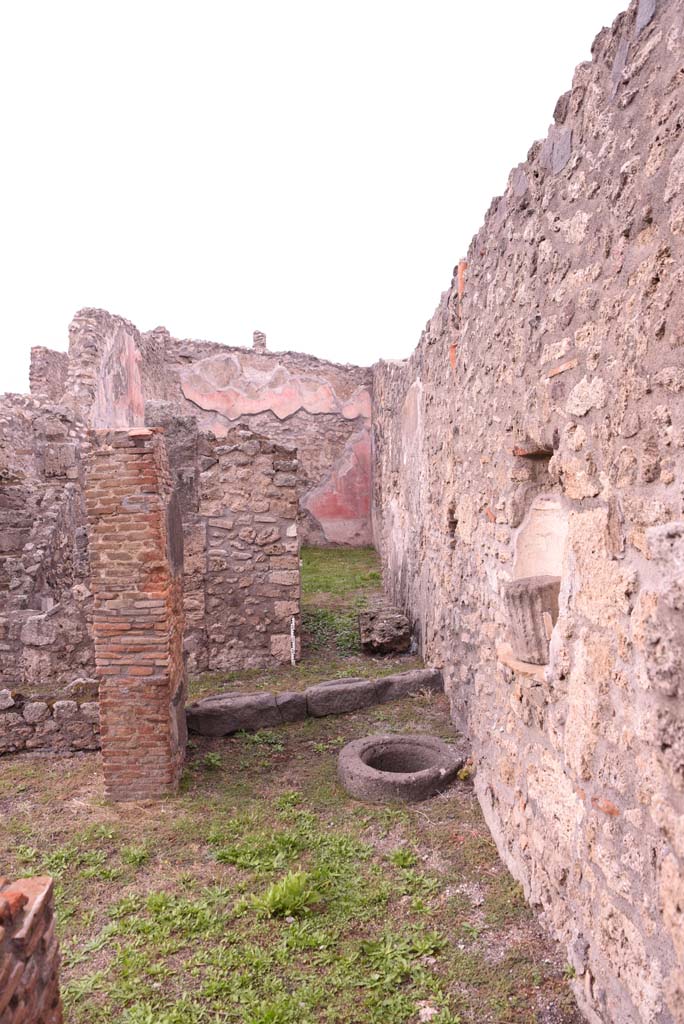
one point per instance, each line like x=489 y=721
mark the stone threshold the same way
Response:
x=226 y=713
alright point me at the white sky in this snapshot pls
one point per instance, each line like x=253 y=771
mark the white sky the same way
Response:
x=309 y=168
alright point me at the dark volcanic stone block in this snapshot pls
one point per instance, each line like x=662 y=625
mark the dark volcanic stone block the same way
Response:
x=340 y=695
x=387 y=769
x=405 y=683
x=384 y=631
x=231 y=712
x=292 y=706
x=532 y=607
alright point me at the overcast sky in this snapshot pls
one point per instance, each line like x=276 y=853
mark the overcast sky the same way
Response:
x=308 y=168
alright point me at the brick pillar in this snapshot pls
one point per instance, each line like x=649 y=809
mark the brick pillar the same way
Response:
x=29 y=954
x=136 y=555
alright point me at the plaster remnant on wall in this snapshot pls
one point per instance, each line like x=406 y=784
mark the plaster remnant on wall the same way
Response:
x=341 y=504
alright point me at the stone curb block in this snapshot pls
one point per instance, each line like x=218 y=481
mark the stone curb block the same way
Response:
x=292 y=706
x=405 y=683
x=339 y=696
x=226 y=713
x=232 y=712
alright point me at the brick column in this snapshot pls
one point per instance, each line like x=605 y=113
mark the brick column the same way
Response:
x=136 y=554
x=29 y=954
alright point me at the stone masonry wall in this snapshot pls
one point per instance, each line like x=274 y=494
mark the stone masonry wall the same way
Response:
x=48 y=373
x=246 y=590
x=29 y=953
x=241 y=582
x=538 y=428
x=320 y=408
x=45 y=602
x=55 y=725
x=104 y=380
x=237 y=617
x=136 y=547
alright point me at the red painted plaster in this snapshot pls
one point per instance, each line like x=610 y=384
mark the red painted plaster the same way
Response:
x=342 y=503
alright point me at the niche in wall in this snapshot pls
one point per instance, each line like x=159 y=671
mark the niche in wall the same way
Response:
x=540 y=541
x=531 y=597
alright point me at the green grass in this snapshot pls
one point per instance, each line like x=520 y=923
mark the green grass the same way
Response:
x=337 y=584
x=263 y=894
x=328 y=629
x=291 y=896
x=339 y=571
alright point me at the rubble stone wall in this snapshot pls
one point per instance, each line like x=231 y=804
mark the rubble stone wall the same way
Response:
x=48 y=373
x=239 y=505
x=320 y=408
x=45 y=601
x=539 y=426
x=242 y=573
x=29 y=953
x=104 y=382
x=52 y=724
x=136 y=550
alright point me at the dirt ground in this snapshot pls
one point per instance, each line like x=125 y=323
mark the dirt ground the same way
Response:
x=263 y=894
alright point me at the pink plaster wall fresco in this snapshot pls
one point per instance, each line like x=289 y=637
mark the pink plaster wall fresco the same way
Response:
x=338 y=499
x=342 y=503
x=233 y=388
x=119 y=398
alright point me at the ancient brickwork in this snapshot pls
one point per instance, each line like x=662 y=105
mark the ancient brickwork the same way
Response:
x=538 y=430
x=136 y=548
x=29 y=953
x=51 y=724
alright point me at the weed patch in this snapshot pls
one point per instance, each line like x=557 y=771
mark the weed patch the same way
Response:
x=262 y=894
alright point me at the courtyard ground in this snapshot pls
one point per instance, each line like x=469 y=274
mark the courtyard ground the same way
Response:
x=262 y=894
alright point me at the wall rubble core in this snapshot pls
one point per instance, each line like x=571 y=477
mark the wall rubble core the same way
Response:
x=52 y=725
x=549 y=382
x=136 y=548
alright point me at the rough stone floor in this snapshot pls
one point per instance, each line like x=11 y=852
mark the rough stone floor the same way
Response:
x=263 y=894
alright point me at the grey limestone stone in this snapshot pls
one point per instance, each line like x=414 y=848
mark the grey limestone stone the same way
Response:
x=36 y=711
x=645 y=12
x=557 y=149
x=6 y=699
x=39 y=631
x=64 y=710
x=91 y=712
